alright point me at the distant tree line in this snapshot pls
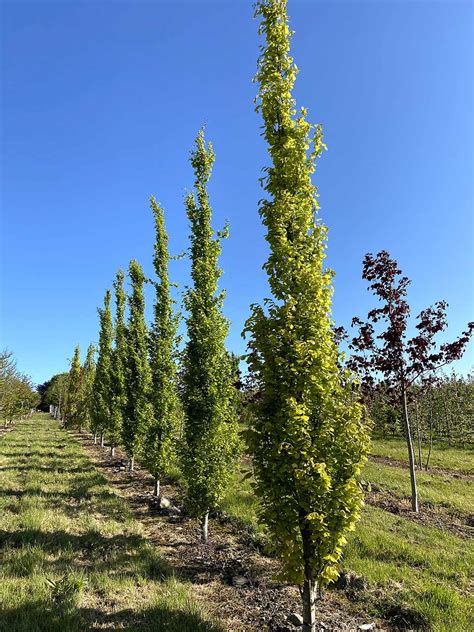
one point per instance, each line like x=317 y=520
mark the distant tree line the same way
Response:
x=18 y=397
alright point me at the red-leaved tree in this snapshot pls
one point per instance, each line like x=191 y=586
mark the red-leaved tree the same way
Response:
x=381 y=350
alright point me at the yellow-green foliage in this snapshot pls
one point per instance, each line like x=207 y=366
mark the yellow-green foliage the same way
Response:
x=102 y=382
x=118 y=364
x=139 y=410
x=210 y=425
x=158 y=443
x=73 y=397
x=87 y=387
x=307 y=434
x=409 y=568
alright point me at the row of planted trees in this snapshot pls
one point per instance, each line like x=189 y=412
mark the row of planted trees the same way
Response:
x=18 y=397
x=133 y=397
x=307 y=436
x=308 y=433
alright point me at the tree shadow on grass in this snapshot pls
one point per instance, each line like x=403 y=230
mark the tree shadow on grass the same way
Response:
x=55 y=541
x=124 y=556
x=60 y=469
x=43 y=617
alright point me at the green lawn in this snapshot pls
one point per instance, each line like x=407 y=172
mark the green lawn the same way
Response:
x=456 y=459
x=420 y=569
x=72 y=556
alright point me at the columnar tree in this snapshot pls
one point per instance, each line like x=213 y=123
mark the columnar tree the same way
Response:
x=102 y=381
x=87 y=390
x=307 y=434
x=209 y=428
x=158 y=443
x=73 y=395
x=381 y=347
x=118 y=366
x=139 y=410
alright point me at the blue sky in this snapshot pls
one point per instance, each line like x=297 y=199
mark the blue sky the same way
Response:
x=101 y=102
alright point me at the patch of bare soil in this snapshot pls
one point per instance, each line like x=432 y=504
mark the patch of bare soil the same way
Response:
x=386 y=460
x=229 y=575
x=459 y=524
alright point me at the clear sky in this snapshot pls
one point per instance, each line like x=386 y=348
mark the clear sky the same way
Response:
x=101 y=102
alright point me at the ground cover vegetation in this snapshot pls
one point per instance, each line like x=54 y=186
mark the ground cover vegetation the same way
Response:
x=295 y=476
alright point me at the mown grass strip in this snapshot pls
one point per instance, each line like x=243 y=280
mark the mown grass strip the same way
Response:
x=442 y=455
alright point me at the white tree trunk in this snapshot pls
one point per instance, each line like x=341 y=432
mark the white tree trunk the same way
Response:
x=308 y=597
x=205 y=527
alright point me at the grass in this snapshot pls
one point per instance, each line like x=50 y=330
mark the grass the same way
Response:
x=416 y=575
x=442 y=456
x=454 y=494
x=72 y=556
x=421 y=571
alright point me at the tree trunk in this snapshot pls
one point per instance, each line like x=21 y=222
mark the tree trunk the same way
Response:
x=308 y=597
x=411 y=455
x=156 y=489
x=431 y=436
x=309 y=591
x=420 y=463
x=131 y=464
x=95 y=438
x=205 y=527
x=112 y=450
x=102 y=440
x=446 y=421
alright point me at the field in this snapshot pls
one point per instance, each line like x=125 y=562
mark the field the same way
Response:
x=82 y=550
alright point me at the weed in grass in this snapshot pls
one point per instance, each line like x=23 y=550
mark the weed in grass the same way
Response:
x=66 y=591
